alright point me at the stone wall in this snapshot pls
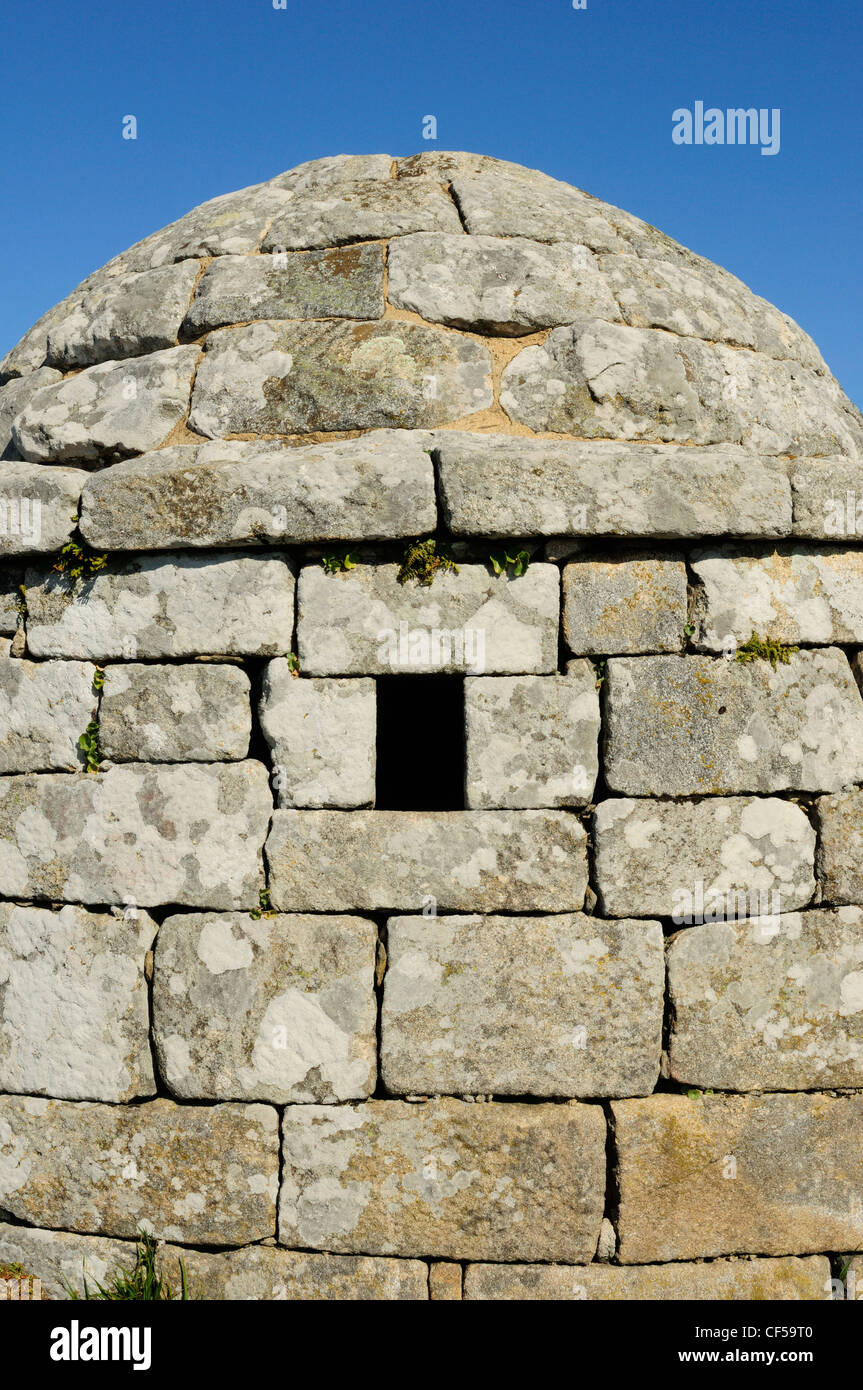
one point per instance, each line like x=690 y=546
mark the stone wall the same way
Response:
x=595 y=1030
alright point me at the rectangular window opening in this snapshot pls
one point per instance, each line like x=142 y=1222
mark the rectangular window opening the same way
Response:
x=420 y=743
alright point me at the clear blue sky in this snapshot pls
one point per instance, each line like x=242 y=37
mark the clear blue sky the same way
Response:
x=229 y=92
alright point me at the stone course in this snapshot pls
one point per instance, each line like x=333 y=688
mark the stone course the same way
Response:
x=431 y=758
x=278 y=1008
x=555 y=1006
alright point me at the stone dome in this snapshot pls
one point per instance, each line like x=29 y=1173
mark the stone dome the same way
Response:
x=431 y=757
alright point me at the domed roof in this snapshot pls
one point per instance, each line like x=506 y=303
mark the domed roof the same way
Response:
x=435 y=291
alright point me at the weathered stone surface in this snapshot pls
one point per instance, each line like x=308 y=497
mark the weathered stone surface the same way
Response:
x=61 y=1260
x=261 y=1272
x=274 y=1008
x=282 y=378
x=227 y=493
x=44 y=708
x=463 y=1181
x=828 y=498
x=541 y=1006
x=321 y=734
x=642 y=383
x=466 y=861
x=111 y=410
x=11 y=600
x=771 y=1005
x=166 y=605
x=496 y=485
x=362 y=210
x=28 y=355
x=13 y=398
x=683 y=300
x=194 y=713
x=840 y=847
x=38 y=507
x=445 y=1282
x=703 y=860
x=797 y=1185
x=747 y=1280
x=74 y=1018
x=531 y=740
x=334 y=171
x=230 y=225
x=492 y=285
x=187 y=1173
x=347 y=282
x=143 y=833
x=502 y=203
x=684 y=725
x=624 y=605
x=127 y=316
x=792 y=593
x=365 y=623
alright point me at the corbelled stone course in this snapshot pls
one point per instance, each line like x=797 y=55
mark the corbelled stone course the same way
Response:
x=531 y=740
x=111 y=410
x=460 y=861
x=143 y=833
x=792 y=593
x=345 y=283
x=74 y=1017
x=321 y=733
x=364 y=209
x=642 y=383
x=274 y=1008
x=775 y=1004
x=44 y=708
x=683 y=726
x=840 y=846
x=457 y=1180
x=500 y=486
x=712 y=859
x=742 y=1280
x=285 y=378
x=126 y=317
x=722 y=1175
x=365 y=622
x=38 y=506
x=543 y=1006
x=615 y=607
x=13 y=398
x=193 y=713
x=190 y=1173
x=495 y=286
x=230 y=493
x=170 y=605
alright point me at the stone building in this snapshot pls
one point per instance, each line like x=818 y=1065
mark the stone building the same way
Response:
x=431 y=857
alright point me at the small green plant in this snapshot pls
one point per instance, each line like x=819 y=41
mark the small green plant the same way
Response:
x=13 y=1271
x=266 y=908
x=765 y=649
x=601 y=669
x=694 y=1094
x=89 y=743
x=142 y=1283
x=501 y=561
x=422 y=560
x=337 y=561
x=98 y=679
x=79 y=562
x=21 y=600
x=689 y=630
x=293 y=663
